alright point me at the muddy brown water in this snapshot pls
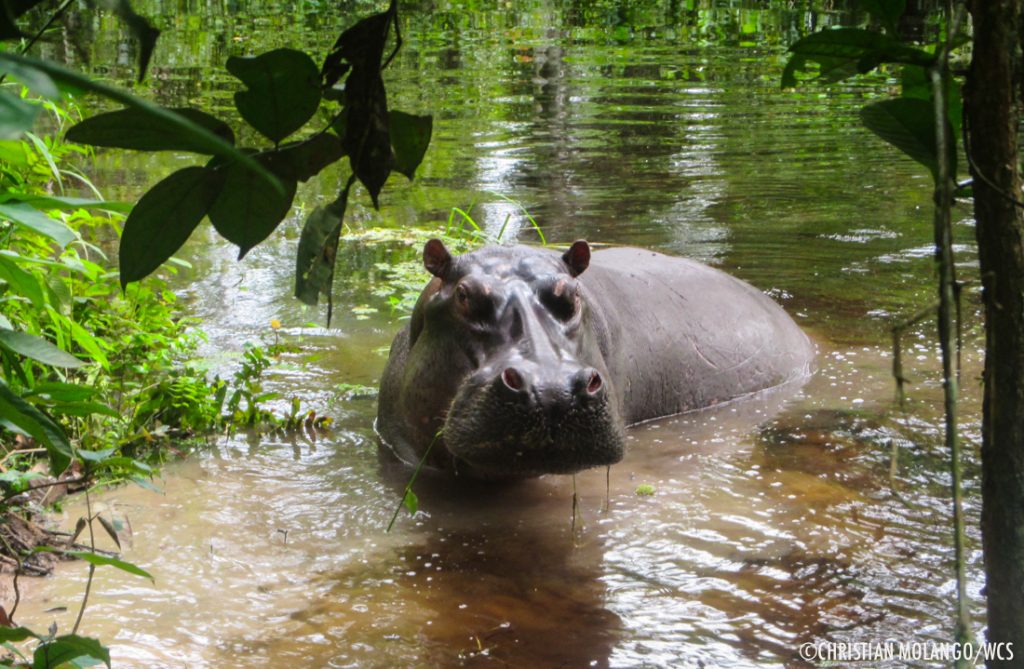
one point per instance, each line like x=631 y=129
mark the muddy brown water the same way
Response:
x=812 y=513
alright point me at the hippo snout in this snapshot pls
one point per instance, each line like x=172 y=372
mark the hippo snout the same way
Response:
x=521 y=418
x=555 y=393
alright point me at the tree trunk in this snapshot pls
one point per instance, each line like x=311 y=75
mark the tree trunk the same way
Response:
x=992 y=99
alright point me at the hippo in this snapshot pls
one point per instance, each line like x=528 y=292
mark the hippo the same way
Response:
x=521 y=361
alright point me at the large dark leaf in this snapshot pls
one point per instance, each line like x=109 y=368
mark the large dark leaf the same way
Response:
x=366 y=138
x=410 y=137
x=909 y=125
x=214 y=145
x=164 y=218
x=246 y=212
x=916 y=83
x=303 y=160
x=16 y=634
x=64 y=649
x=349 y=46
x=318 y=248
x=16 y=116
x=136 y=129
x=36 y=424
x=37 y=349
x=848 y=51
x=283 y=91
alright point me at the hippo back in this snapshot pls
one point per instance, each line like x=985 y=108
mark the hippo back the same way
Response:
x=679 y=335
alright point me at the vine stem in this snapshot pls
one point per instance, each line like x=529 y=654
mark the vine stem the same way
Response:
x=412 y=479
x=35 y=38
x=92 y=567
x=943 y=230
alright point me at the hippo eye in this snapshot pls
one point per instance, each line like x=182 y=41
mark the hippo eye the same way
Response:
x=473 y=303
x=561 y=299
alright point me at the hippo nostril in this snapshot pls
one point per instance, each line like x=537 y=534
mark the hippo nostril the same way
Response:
x=512 y=378
x=595 y=383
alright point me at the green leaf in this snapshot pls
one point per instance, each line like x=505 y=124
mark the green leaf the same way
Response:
x=16 y=634
x=909 y=125
x=21 y=282
x=123 y=462
x=318 y=248
x=83 y=409
x=410 y=137
x=33 y=79
x=67 y=648
x=845 y=52
x=30 y=218
x=411 y=501
x=134 y=128
x=96 y=457
x=365 y=115
x=37 y=425
x=246 y=212
x=111 y=530
x=101 y=560
x=16 y=116
x=283 y=91
x=13 y=152
x=61 y=392
x=38 y=349
x=303 y=160
x=164 y=218
x=214 y=145
x=917 y=84
x=49 y=202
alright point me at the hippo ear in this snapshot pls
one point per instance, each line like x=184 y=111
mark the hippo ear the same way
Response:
x=577 y=258
x=436 y=258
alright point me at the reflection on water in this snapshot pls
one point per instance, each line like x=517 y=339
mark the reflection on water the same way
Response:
x=773 y=521
x=273 y=553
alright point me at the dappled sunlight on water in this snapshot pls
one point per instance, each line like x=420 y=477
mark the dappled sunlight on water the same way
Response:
x=274 y=552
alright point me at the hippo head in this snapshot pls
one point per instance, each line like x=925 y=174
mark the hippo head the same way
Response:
x=505 y=365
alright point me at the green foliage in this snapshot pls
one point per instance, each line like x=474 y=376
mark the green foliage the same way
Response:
x=845 y=52
x=283 y=91
x=908 y=122
x=247 y=192
x=134 y=128
x=93 y=373
x=909 y=125
x=62 y=650
x=318 y=247
x=55 y=651
x=66 y=81
x=410 y=137
x=245 y=213
x=163 y=220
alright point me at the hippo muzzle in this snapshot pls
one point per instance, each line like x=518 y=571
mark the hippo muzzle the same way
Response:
x=526 y=418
